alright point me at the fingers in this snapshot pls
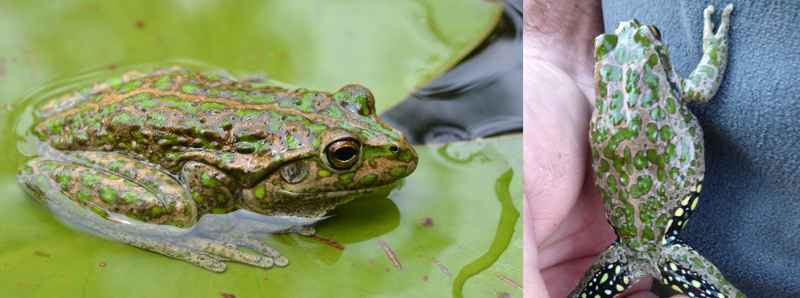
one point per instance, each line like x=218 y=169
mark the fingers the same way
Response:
x=708 y=26
x=725 y=21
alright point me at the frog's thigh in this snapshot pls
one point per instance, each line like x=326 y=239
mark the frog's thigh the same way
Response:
x=119 y=184
x=608 y=276
x=686 y=271
x=211 y=189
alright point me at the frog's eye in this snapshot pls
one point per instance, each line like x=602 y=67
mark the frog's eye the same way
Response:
x=357 y=99
x=655 y=32
x=343 y=154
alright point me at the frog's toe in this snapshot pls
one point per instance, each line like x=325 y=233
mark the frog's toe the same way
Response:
x=232 y=253
x=258 y=246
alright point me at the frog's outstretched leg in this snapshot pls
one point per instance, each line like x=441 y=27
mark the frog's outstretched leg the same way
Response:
x=704 y=81
x=129 y=201
x=608 y=276
x=686 y=271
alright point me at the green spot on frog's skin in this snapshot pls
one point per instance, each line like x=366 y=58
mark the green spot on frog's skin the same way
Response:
x=606 y=44
x=130 y=197
x=291 y=142
x=83 y=196
x=652 y=131
x=197 y=197
x=124 y=119
x=157 y=119
x=709 y=71
x=623 y=180
x=368 y=180
x=671 y=105
x=657 y=114
x=259 y=191
x=189 y=88
x=661 y=175
x=63 y=180
x=640 y=160
x=651 y=80
x=604 y=167
x=219 y=211
x=397 y=171
x=666 y=133
x=631 y=80
x=126 y=87
x=89 y=180
x=107 y=194
x=163 y=83
x=323 y=173
x=644 y=183
x=673 y=173
x=346 y=178
x=652 y=60
x=227 y=157
x=602 y=88
x=640 y=38
x=612 y=184
x=156 y=211
x=208 y=106
x=610 y=73
x=208 y=181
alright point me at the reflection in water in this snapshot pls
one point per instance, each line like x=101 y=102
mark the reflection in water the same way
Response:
x=480 y=97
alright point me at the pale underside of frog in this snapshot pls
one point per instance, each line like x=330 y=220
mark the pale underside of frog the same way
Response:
x=197 y=165
x=648 y=159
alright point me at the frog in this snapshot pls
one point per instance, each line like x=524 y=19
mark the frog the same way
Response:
x=156 y=158
x=648 y=158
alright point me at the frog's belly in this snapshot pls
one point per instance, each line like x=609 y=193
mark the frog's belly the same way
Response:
x=643 y=167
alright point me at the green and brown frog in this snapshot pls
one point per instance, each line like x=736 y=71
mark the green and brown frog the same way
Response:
x=162 y=160
x=648 y=159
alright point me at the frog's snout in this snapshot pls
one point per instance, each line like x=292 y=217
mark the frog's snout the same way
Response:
x=404 y=152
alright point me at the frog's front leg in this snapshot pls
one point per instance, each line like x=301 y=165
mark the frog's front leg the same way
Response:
x=704 y=81
x=609 y=275
x=212 y=190
x=686 y=271
x=123 y=199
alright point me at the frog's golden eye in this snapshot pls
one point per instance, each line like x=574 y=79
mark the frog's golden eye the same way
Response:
x=655 y=32
x=343 y=154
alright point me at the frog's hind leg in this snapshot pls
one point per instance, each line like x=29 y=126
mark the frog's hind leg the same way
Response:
x=704 y=81
x=115 y=197
x=686 y=271
x=609 y=275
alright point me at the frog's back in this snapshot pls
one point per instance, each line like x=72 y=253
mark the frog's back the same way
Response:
x=167 y=113
x=647 y=146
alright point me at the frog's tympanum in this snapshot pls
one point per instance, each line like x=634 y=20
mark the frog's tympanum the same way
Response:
x=150 y=153
x=648 y=158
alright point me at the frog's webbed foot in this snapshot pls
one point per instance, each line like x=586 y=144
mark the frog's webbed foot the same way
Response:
x=609 y=275
x=686 y=271
x=247 y=229
x=704 y=81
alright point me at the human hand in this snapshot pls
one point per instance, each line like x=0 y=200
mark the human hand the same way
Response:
x=565 y=227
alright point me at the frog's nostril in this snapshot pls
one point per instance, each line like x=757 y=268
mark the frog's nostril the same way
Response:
x=394 y=149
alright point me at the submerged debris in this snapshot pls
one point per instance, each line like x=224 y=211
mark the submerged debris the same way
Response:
x=390 y=254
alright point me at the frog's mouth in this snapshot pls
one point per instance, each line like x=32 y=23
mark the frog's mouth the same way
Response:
x=332 y=194
x=308 y=204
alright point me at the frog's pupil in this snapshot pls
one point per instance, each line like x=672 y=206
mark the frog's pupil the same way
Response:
x=345 y=154
x=394 y=149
